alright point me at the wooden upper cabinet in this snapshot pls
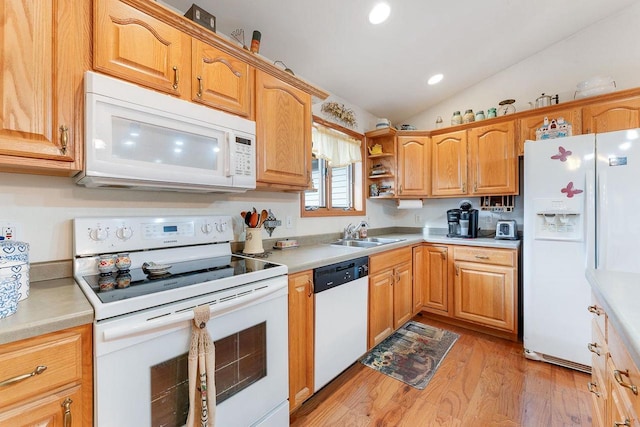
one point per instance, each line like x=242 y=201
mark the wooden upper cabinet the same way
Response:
x=529 y=125
x=413 y=166
x=43 y=55
x=449 y=164
x=134 y=46
x=220 y=80
x=494 y=164
x=283 y=131
x=611 y=115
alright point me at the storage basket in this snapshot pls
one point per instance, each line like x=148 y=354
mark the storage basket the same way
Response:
x=14 y=262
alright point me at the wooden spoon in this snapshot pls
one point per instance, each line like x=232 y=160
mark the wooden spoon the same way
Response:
x=253 y=222
x=263 y=217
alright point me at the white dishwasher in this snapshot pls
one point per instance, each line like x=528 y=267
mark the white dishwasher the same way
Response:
x=341 y=311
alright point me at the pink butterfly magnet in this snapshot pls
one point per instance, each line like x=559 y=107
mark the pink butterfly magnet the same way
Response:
x=570 y=191
x=562 y=154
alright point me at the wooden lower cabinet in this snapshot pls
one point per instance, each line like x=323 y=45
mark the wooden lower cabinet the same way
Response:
x=471 y=286
x=62 y=393
x=615 y=378
x=301 y=333
x=390 y=293
x=435 y=280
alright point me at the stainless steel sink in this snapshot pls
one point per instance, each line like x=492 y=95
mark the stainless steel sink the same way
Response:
x=380 y=240
x=356 y=243
x=367 y=242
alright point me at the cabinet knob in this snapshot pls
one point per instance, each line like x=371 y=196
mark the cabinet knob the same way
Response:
x=595 y=310
x=592 y=387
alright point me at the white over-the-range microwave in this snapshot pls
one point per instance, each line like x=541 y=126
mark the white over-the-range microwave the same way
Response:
x=141 y=139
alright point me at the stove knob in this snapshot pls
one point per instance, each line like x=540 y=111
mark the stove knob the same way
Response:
x=99 y=233
x=221 y=226
x=206 y=228
x=124 y=233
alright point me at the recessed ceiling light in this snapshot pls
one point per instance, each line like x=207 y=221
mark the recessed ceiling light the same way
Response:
x=436 y=78
x=379 y=13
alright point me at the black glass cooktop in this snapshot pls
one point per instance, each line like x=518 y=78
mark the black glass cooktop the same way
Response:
x=122 y=285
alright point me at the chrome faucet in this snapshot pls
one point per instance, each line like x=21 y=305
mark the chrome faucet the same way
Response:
x=348 y=232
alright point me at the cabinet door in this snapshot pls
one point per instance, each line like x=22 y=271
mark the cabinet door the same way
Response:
x=413 y=166
x=485 y=294
x=380 y=306
x=436 y=284
x=529 y=125
x=494 y=164
x=402 y=295
x=301 y=333
x=419 y=274
x=43 y=55
x=449 y=164
x=220 y=80
x=611 y=115
x=283 y=126
x=134 y=46
x=55 y=410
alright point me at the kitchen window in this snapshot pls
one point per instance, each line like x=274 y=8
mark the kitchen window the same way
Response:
x=336 y=173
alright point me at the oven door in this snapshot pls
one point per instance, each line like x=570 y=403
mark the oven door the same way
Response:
x=141 y=361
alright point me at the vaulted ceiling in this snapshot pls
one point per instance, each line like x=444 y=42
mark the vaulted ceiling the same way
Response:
x=384 y=68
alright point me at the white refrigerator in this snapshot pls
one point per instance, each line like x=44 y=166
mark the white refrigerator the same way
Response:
x=581 y=203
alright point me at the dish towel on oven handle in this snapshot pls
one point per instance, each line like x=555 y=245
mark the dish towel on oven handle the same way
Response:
x=202 y=365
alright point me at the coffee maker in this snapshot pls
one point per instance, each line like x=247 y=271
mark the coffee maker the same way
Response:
x=463 y=222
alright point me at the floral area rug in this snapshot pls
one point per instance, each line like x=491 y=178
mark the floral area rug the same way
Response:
x=412 y=353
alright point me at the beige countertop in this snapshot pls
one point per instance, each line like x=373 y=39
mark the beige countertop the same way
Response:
x=306 y=257
x=52 y=305
x=619 y=293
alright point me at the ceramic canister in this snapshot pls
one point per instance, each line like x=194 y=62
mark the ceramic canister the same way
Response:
x=8 y=296
x=14 y=262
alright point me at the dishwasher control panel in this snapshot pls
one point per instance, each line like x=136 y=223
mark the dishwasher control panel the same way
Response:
x=330 y=276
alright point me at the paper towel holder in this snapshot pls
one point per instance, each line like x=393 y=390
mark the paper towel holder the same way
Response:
x=409 y=203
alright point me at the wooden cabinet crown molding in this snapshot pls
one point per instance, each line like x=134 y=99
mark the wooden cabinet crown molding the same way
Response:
x=189 y=27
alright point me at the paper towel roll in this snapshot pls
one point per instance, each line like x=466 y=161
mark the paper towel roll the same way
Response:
x=409 y=204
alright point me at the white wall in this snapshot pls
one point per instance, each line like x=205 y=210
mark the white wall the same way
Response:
x=609 y=48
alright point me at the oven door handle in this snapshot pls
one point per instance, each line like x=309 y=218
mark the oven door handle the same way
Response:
x=216 y=309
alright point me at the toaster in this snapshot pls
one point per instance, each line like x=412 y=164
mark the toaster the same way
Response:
x=506 y=229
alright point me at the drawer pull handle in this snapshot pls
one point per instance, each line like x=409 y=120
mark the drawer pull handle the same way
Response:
x=617 y=374
x=592 y=388
x=67 y=421
x=64 y=138
x=200 y=88
x=595 y=310
x=593 y=348
x=311 y=290
x=39 y=369
x=482 y=257
x=622 y=423
x=176 y=78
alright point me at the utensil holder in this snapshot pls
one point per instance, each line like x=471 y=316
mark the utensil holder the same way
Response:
x=253 y=241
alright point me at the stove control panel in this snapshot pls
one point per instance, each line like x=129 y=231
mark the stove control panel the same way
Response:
x=94 y=235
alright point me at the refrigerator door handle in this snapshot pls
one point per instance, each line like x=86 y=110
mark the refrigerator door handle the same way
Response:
x=590 y=219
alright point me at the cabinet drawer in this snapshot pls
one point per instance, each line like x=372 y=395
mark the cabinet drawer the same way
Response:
x=628 y=371
x=485 y=255
x=61 y=353
x=389 y=259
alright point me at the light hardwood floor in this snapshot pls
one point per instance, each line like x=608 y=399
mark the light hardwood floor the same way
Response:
x=483 y=381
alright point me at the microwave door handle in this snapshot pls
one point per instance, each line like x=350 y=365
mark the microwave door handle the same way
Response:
x=230 y=167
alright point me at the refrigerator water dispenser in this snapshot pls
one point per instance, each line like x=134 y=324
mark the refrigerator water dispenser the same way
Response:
x=558 y=220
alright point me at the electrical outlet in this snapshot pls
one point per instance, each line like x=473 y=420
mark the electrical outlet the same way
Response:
x=8 y=230
x=418 y=219
x=288 y=221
